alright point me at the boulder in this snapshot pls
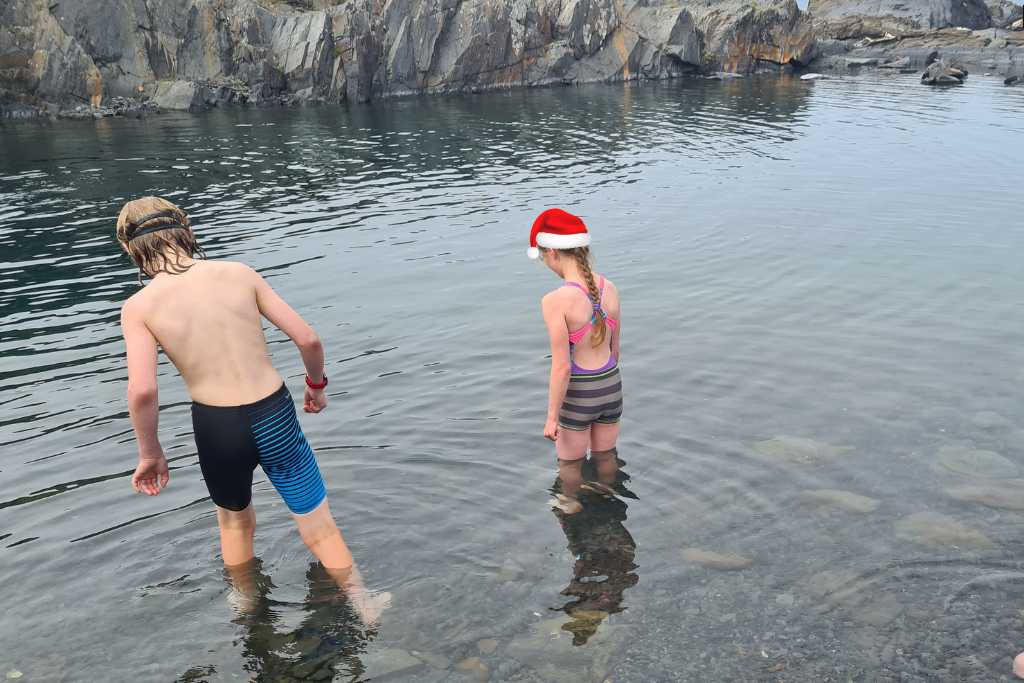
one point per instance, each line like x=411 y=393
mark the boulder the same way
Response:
x=944 y=72
x=901 y=63
x=1004 y=13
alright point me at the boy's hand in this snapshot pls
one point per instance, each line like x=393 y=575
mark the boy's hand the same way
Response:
x=315 y=400
x=151 y=475
x=551 y=430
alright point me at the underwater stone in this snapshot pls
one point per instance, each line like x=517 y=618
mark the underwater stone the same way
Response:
x=843 y=500
x=713 y=560
x=1003 y=495
x=932 y=528
x=976 y=463
x=797 y=449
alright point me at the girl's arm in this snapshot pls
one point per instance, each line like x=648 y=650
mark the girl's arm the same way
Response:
x=151 y=475
x=558 y=333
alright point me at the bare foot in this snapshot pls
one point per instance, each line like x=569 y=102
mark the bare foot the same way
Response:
x=1018 y=665
x=569 y=506
x=370 y=605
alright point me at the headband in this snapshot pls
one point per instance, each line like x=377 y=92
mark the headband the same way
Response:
x=145 y=219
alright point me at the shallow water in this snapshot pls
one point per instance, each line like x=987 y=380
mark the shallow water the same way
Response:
x=822 y=297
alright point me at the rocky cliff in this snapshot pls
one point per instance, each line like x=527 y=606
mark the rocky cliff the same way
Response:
x=184 y=54
x=190 y=53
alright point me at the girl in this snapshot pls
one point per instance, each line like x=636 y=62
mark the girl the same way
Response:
x=582 y=318
x=208 y=318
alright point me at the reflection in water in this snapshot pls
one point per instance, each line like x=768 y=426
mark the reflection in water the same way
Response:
x=602 y=547
x=326 y=643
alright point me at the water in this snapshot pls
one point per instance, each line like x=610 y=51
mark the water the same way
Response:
x=821 y=287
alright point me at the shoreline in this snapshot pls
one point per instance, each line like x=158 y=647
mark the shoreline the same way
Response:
x=854 y=65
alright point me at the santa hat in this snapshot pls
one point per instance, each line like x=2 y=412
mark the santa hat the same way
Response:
x=557 y=229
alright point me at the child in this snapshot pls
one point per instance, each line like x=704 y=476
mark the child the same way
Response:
x=207 y=317
x=582 y=317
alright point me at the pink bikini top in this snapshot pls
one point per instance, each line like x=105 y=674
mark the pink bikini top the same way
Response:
x=580 y=334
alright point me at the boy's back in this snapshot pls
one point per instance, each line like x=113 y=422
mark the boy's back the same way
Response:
x=208 y=322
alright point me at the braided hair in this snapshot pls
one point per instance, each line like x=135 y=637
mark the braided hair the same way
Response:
x=156 y=234
x=599 y=327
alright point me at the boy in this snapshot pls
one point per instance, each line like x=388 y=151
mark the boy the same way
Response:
x=207 y=317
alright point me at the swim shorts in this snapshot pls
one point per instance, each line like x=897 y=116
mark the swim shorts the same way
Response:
x=232 y=440
x=592 y=397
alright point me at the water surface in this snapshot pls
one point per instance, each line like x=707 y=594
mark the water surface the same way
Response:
x=821 y=349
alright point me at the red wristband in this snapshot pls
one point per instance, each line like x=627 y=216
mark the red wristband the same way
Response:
x=311 y=385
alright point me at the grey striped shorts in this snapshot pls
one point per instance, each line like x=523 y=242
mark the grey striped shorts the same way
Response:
x=592 y=398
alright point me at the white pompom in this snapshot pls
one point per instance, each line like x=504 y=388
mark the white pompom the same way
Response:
x=533 y=252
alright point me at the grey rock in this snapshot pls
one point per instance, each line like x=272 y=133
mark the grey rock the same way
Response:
x=857 y=62
x=901 y=63
x=1004 y=13
x=899 y=16
x=974 y=462
x=842 y=500
x=1011 y=80
x=389 y=661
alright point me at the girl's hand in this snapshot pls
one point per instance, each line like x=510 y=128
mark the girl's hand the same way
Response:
x=315 y=400
x=151 y=475
x=551 y=430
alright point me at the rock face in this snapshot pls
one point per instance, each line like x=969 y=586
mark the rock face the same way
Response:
x=876 y=17
x=1004 y=13
x=191 y=53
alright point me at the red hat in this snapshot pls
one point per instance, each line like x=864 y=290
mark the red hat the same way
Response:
x=557 y=229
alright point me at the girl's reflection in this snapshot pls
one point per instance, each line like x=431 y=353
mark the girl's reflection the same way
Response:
x=603 y=549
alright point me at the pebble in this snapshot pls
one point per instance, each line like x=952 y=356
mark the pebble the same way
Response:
x=843 y=500
x=487 y=645
x=713 y=560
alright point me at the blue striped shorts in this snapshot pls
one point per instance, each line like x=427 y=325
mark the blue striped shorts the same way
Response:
x=232 y=440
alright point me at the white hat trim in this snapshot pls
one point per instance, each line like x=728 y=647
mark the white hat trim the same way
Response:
x=551 y=240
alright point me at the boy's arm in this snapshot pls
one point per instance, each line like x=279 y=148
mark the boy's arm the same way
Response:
x=283 y=317
x=143 y=403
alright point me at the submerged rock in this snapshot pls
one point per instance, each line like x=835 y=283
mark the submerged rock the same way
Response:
x=796 y=449
x=473 y=665
x=843 y=500
x=713 y=560
x=976 y=463
x=944 y=72
x=933 y=528
x=388 y=661
x=487 y=645
x=1012 y=80
x=1002 y=495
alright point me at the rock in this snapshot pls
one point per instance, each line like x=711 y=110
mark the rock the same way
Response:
x=944 y=72
x=858 y=62
x=1004 y=495
x=843 y=500
x=14 y=674
x=474 y=666
x=898 y=16
x=723 y=76
x=932 y=528
x=813 y=77
x=487 y=645
x=799 y=450
x=901 y=63
x=976 y=463
x=713 y=560
x=433 y=660
x=1018 y=25
x=1011 y=80
x=387 y=661
x=189 y=54
x=1004 y=13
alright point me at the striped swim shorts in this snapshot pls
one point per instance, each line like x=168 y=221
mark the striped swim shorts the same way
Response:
x=590 y=398
x=232 y=440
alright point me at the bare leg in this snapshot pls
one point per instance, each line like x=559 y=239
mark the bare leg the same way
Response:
x=236 y=534
x=322 y=537
x=603 y=438
x=571 y=448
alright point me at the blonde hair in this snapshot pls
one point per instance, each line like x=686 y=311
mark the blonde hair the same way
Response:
x=152 y=252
